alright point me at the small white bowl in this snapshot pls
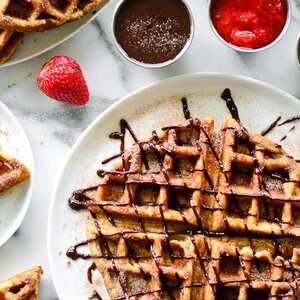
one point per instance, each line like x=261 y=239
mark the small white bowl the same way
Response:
x=249 y=50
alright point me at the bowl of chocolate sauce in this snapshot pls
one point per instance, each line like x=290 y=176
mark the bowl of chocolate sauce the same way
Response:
x=153 y=33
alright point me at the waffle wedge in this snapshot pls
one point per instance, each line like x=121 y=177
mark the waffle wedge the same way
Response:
x=9 y=41
x=12 y=172
x=196 y=213
x=23 y=286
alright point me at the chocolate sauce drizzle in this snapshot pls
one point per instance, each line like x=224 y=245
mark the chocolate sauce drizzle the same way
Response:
x=81 y=200
x=95 y=295
x=286 y=135
x=185 y=108
x=226 y=96
x=271 y=126
x=90 y=270
x=289 y=120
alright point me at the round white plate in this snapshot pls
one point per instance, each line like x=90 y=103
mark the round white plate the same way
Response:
x=14 y=204
x=36 y=43
x=151 y=108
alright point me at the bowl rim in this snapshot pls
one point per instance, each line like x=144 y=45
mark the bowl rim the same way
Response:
x=158 y=65
x=249 y=50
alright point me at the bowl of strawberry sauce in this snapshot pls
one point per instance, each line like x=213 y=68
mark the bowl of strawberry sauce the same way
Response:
x=249 y=25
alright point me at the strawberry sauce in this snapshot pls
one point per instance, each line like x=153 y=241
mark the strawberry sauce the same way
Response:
x=249 y=24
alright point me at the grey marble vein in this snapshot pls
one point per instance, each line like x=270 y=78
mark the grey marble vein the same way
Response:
x=112 y=49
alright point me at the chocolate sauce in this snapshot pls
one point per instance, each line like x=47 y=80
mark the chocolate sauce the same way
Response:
x=226 y=96
x=286 y=135
x=80 y=200
x=153 y=31
x=107 y=160
x=185 y=109
x=90 y=270
x=74 y=254
x=289 y=120
x=270 y=127
x=95 y=295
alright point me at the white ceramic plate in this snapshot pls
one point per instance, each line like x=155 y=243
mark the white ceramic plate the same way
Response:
x=36 y=43
x=14 y=204
x=150 y=108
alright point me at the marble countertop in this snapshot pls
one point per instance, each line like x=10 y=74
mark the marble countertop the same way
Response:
x=53 y=127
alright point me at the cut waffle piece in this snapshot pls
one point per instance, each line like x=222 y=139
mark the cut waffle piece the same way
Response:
x=39 y=15
x=23 y=286
x=9 y=41
x=258 y=186
x=137 y=265
x=193 y=213
x=12 y=172
x=230 y=181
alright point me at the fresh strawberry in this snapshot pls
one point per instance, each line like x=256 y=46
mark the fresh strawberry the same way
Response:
x=61 y=79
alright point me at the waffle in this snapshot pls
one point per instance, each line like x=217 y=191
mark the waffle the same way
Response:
x=39 y=15
x=195 y=213
x=153 y=266
x=23 y=286
x=9 y=41
x=259 y=182
x=12 y=172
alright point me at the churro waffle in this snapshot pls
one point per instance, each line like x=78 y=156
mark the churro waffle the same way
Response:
x=9 y=40
x=23 y=286
x=39 y=15
x=156 y=266
x=12 y=172
x=195 y=213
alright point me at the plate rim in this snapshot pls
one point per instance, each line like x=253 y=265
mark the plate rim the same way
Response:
x=67 y=37
x=124 y=99
x=28 y=196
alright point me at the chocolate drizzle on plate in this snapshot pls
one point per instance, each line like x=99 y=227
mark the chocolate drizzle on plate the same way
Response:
x=289 y=120
x=271 y=127
x=286 y=135
x=90 y=271
x=226 y=96
x=185 y=109
x=94 y=296
x=81 y=200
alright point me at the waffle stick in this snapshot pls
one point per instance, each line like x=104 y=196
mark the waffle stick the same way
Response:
x=9 y=41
